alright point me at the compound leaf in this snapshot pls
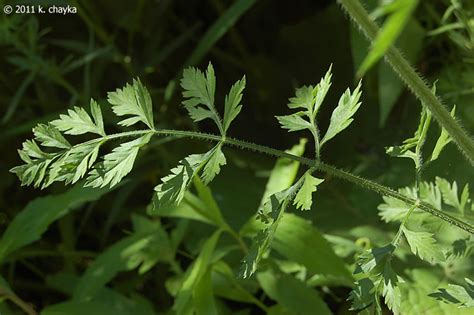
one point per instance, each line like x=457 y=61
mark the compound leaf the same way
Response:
x=78 y=121
x=171 y=191
x=341 y=117
x=133 y=100
x=270 y=213
x=117 y=164
x=303 y=198
x=310 y=99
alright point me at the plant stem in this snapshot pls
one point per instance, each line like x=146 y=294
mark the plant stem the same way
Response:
x=329 y=169
x=27 y=308
x=414 y=82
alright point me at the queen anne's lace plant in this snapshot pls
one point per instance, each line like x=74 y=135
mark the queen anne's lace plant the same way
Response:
x=50 y=158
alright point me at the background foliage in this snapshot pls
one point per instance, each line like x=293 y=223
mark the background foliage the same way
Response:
x=72 y=248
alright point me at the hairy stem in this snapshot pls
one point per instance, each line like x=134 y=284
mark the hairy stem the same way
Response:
x=329 y=169
x=414 y=82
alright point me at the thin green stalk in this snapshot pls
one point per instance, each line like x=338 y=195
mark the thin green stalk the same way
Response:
x=396 y=239
x=329 y=169
x=26 y=307
x=415 y=83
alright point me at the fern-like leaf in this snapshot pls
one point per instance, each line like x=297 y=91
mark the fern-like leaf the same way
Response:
x=443 y=140
x=310 y=99
x=117 y=164
x=232 y=106
x=74 y=164
x=78 y=121
x=199 y=89
x=341 y=117
x=36 y=164
x=213 y=166
x=171 y=191
x=423 y=245
x=376 y=277
x=270 y=214
x=135 y=101
x=49 y=136
x=303 y=198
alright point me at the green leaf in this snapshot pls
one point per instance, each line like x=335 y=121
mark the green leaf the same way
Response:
x=201 y=208
x=304 y=198
x=200 y=89
x=104 y=298
x=232 y=103
x=270 y=214
x=309 y=98
x=443 y=140
x=456 y=294
x=171 y=191
x=450 y=194
x=417 y=295
x=192 y=288
x=423 y=245
x=75 y=163
x=78 y=121
x=49 y=136
x=29 y=224
x=294 y=122
x=341 y=117
x=220 y=27
x=284 y=172
x=417 y=141
x=203 y=296
x=37 y=162
x=295 y=296
x=399 y=14
x=215 y=160
x=393 y=210
x=277 y=191
x=127 y=254
x=133 y=100
x=390 y=85
x=391 y=290
x=281 y=177
x=77 y=308
x=376 y=278
x=299 y=241
x=117 y=164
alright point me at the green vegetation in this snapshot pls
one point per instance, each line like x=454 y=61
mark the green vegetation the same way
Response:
x=160 y=212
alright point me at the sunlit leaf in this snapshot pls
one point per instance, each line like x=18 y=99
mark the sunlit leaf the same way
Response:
x=77 y=121
x=117 y=164
x=341 y=117
x=135 y=101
